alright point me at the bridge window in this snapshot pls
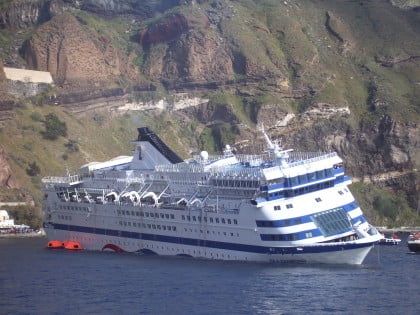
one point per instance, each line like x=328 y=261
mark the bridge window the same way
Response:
x=303 y=179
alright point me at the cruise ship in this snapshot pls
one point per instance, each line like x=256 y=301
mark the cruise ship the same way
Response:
x=279 y=206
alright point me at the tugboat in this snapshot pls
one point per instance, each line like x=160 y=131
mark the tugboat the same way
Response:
x=389 y=241
x=413 y=242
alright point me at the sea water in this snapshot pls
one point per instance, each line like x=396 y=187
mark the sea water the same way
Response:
x=35 y=280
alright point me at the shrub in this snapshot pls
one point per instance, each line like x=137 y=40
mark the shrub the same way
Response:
x=54 y=128
x=33 y=169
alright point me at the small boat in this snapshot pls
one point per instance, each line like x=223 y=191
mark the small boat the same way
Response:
x=71 y=245
x=55 y=244
x=413 y=242
x=394 y=240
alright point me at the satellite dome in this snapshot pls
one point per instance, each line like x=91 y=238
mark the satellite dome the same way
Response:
x=204 y=155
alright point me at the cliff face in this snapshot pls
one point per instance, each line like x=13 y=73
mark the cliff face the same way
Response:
x=6 y=176
x=22 y=14
x=184 y=50
x=75 y=58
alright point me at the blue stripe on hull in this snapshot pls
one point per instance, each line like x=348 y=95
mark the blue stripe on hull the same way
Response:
x=298 y=249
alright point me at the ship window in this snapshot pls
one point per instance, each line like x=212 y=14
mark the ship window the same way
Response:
x=141 y=214
x=199 y=219
x=293 y=181
x=340 y=192
x=319 y=174
x=172 y=216
x=121 y=223
x=129 y=223
x=277 y=208
x=154 y=226
x=188 y=218
x=118 y=211
x=194 y=218
x=318 y=199
x=289 y=206
x=302 y=179
x=223 y=220
x=152 y=215
x=205 y=219
x=328 y=172
x=167 y=216
x=229 y=221
x=149 y=226
x=217 y=220
x=162 y=215
x=211 y=220
x=298 y=221
x=164 y=227
x=235 y=221
x=332 y=221
x=311 y=176
x=286 y=222
x=174 y=228
x=147 y=214
x=132 y=213
x=125 y=223
x=158 y=226
x=183 y=217
x=224 y=233
x=137 y=213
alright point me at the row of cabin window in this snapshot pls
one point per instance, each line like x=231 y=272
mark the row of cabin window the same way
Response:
x=303 y=190
x=288 y=237
x=64 y=217
x=287 y=222
x=146 y=214
x=310 y=177
x=150 y=226
x=85 y=209
x=208 y=232
x=217 y=220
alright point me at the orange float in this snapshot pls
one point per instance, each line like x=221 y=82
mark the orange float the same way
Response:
x=55 y=244
x=72 y=245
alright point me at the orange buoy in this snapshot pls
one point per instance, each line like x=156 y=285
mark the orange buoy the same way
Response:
x=71 y=245
x=55 y=244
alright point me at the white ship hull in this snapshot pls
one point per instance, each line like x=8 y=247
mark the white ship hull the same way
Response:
x=337 y=253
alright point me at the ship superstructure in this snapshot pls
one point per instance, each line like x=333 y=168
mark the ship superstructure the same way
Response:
x=278 y=206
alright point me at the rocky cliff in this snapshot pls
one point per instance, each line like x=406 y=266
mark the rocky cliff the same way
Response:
x=6 y=175
x=74 y=57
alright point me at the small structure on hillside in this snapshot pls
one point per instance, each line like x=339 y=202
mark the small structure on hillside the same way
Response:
x=26 y=83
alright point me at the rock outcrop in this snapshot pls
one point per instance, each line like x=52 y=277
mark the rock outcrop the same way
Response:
x=6 y=176
x=74 y=57
x=191 y=54
x=24 y=13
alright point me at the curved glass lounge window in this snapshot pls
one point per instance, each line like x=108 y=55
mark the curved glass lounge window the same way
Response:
x=332 y=221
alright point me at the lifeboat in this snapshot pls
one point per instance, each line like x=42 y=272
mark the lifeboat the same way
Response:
x=55 y=244
x=71 y=245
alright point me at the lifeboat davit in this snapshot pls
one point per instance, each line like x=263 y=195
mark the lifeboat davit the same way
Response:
x=55 y=244
x=71 y=245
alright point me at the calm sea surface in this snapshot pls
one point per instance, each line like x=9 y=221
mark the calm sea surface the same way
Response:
x=34 y=280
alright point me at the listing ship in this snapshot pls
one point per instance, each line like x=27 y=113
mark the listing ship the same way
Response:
x=279 y=206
